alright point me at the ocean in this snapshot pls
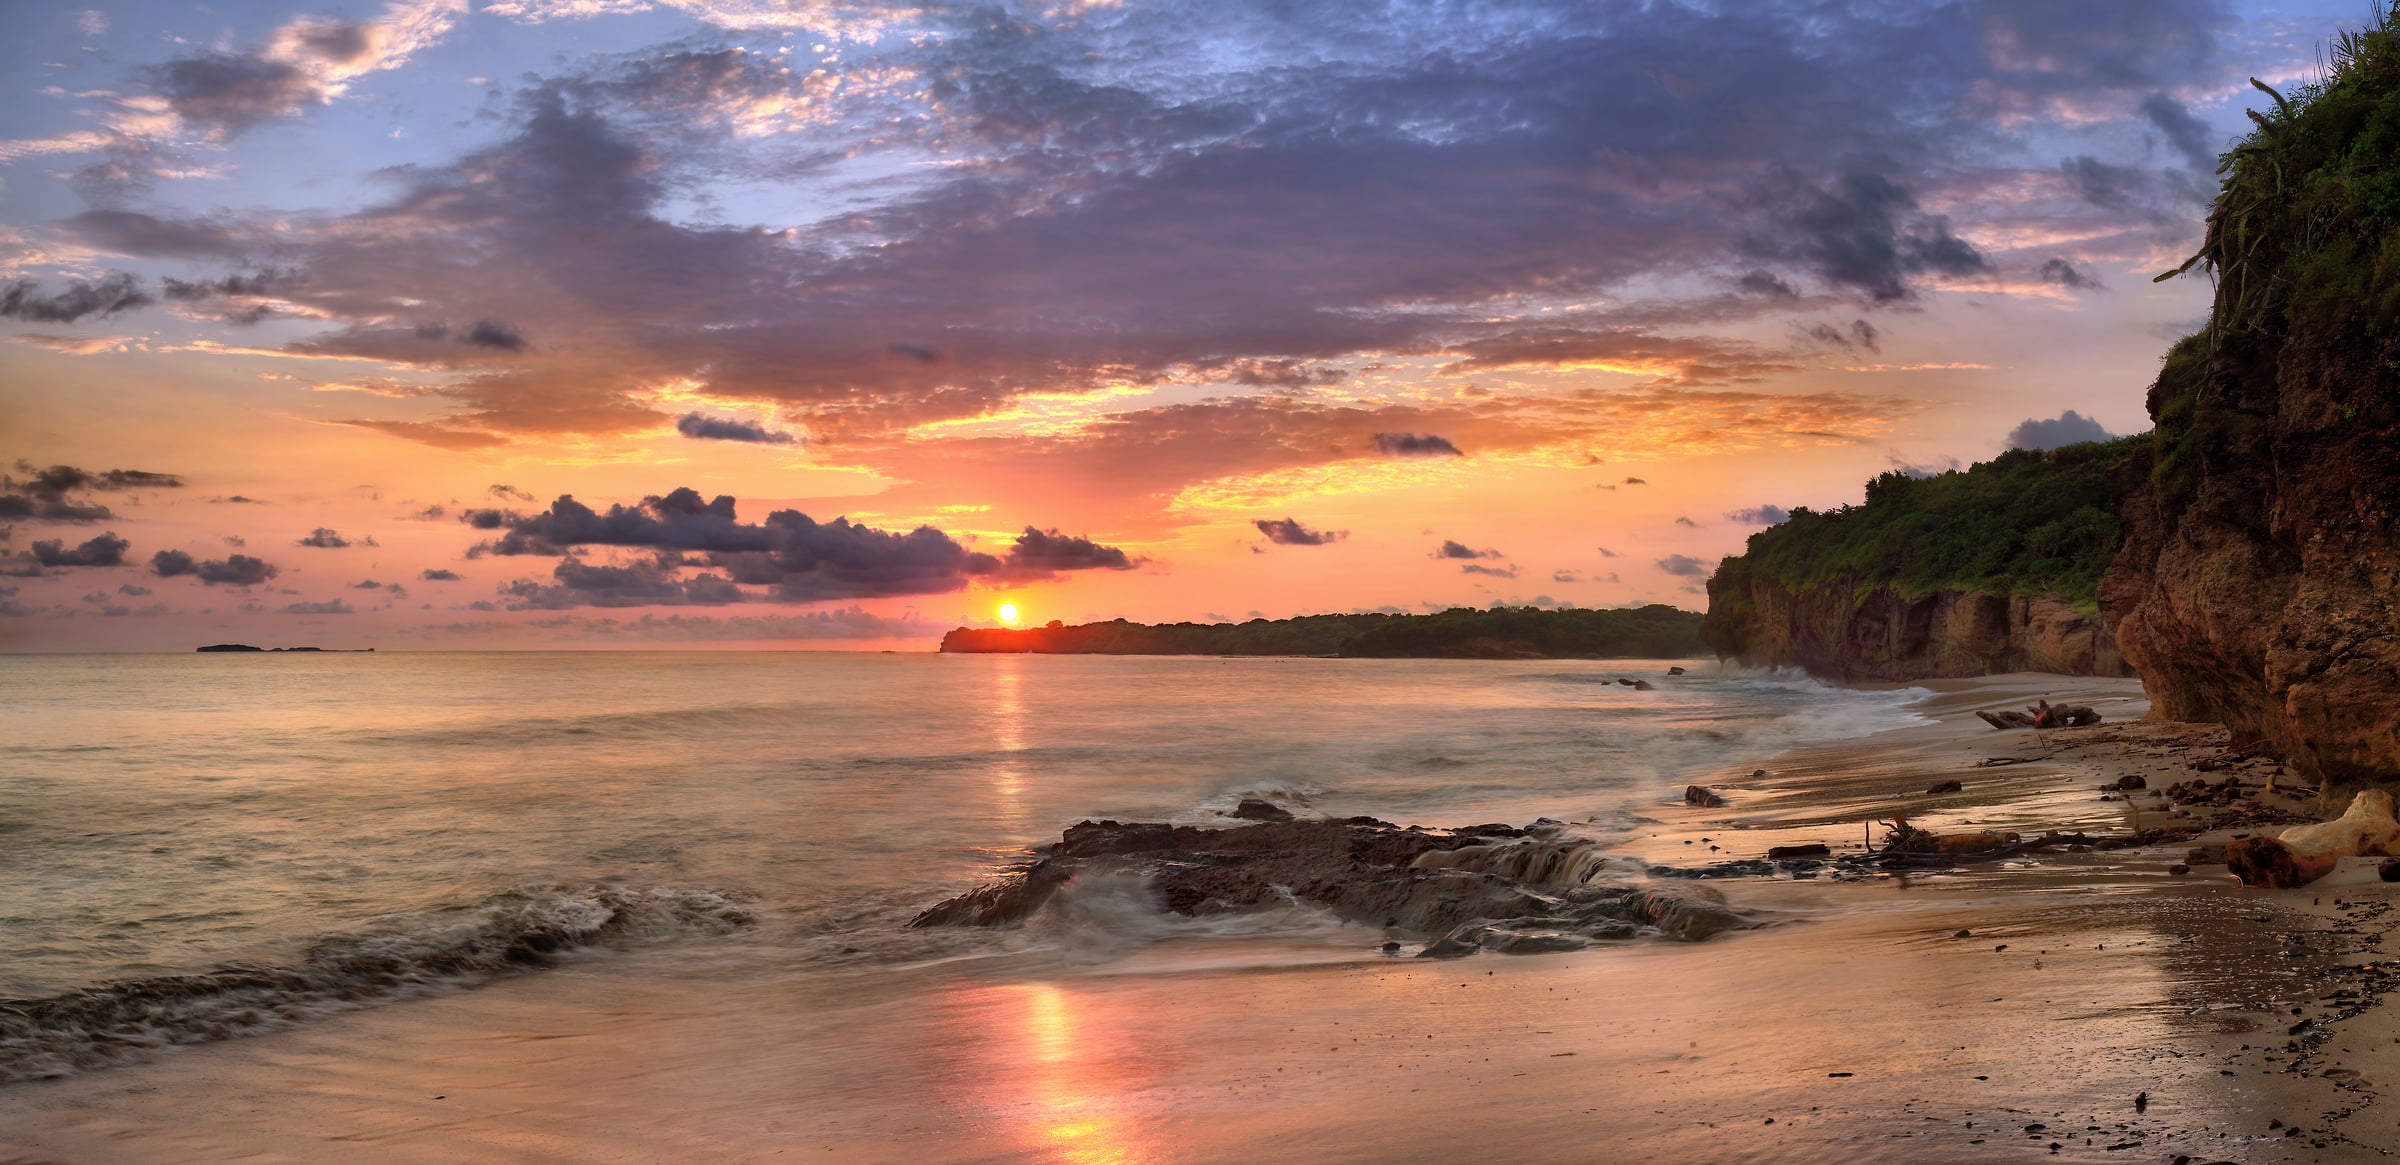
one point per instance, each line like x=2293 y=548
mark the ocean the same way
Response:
x=433 y=909
x=204 y=846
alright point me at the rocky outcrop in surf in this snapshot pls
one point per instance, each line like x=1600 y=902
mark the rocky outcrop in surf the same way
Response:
x=1484 y=887
x=518 y=930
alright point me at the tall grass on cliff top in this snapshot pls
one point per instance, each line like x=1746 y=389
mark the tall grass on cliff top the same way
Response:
x=2025 y=522
x=2303 y=242
x=2309 y=183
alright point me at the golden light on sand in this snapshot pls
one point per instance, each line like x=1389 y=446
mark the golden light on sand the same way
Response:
x=1008 y=613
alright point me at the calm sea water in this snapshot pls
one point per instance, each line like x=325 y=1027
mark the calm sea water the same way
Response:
x=346 y=830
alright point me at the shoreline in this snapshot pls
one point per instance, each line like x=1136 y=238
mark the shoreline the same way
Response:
x=1859 y=1026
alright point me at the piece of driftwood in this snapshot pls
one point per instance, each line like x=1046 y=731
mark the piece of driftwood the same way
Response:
x=2043 y=715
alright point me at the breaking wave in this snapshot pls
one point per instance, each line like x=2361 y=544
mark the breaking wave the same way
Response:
x=521 y=929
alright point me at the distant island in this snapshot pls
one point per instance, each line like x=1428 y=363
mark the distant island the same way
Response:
x=1656 y=631
x=247 y=647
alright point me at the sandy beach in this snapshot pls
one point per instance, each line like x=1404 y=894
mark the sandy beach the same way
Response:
x=2068 y=1006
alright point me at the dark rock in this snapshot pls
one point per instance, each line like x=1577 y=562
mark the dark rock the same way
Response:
x=1674 y=671
x=1644 y=686
x=2179 y=869
x=1703 y=796
x=2389 y=871
x=1253 y=809
x=1814 y=849
x=2131 y=781
x=2266 y=861
x=1490 y=887
x=1939 y=787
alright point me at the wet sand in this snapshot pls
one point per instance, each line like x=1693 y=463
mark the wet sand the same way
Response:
x=1859 y=1026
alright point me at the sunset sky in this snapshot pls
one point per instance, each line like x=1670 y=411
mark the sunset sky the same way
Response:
x=1193 y=309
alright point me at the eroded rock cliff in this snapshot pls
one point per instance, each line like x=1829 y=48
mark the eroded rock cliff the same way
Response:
x=1967 y=573
x=1836 y=630
x=2260 y=572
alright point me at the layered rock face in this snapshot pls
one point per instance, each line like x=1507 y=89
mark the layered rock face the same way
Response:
x=2259 y=574
x=2258 y=582
x=1833 y=631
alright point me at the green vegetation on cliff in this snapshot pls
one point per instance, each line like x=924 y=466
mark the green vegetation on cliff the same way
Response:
x=2304 y=242
x=2024 y=522
x=1653 y=632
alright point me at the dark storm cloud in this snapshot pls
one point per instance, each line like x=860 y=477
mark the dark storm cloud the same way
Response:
x=2068 y=428
x=638 y=584
x=491 y=334
x=2188 y=134
x=105 y=550
x=707 y=428
x=1683 y=566
x=1451 y=548
x=22 y=300
x=1043 y=553
x=1415 y=445
x=1349 y=181
x=232 y=92
x=795 y=556
x=264 y=283
x=1764 y=515
x=51 y=495
x=133 y=590
x=2063 y=273
x=1858 y=335
x=239 y=570
x=438 y=574
x=324 y=538
x=1289 y=532
x=1862 y=231
x=134 y=233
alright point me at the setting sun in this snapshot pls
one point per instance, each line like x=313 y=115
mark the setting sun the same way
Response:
x=1008 y=612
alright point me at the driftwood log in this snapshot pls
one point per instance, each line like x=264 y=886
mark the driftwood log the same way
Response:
x=2043 y=715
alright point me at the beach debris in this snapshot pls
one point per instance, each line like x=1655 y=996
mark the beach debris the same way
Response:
x=1703 y=796
x=2000 y=761
x=1480 y=887
x=1254 y=809
x=1814 y=849
x=1908 y=839
x=1940 y=787
x=1674 y=671
x=2305 y=853
x=2043 y=714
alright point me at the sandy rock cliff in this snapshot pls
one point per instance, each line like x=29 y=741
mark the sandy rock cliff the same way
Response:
x=2259 y=582
x=1832 y=631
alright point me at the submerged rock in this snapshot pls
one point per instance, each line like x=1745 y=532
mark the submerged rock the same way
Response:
x=1703 y=796
x=1253 y=809
x=1484 y=887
